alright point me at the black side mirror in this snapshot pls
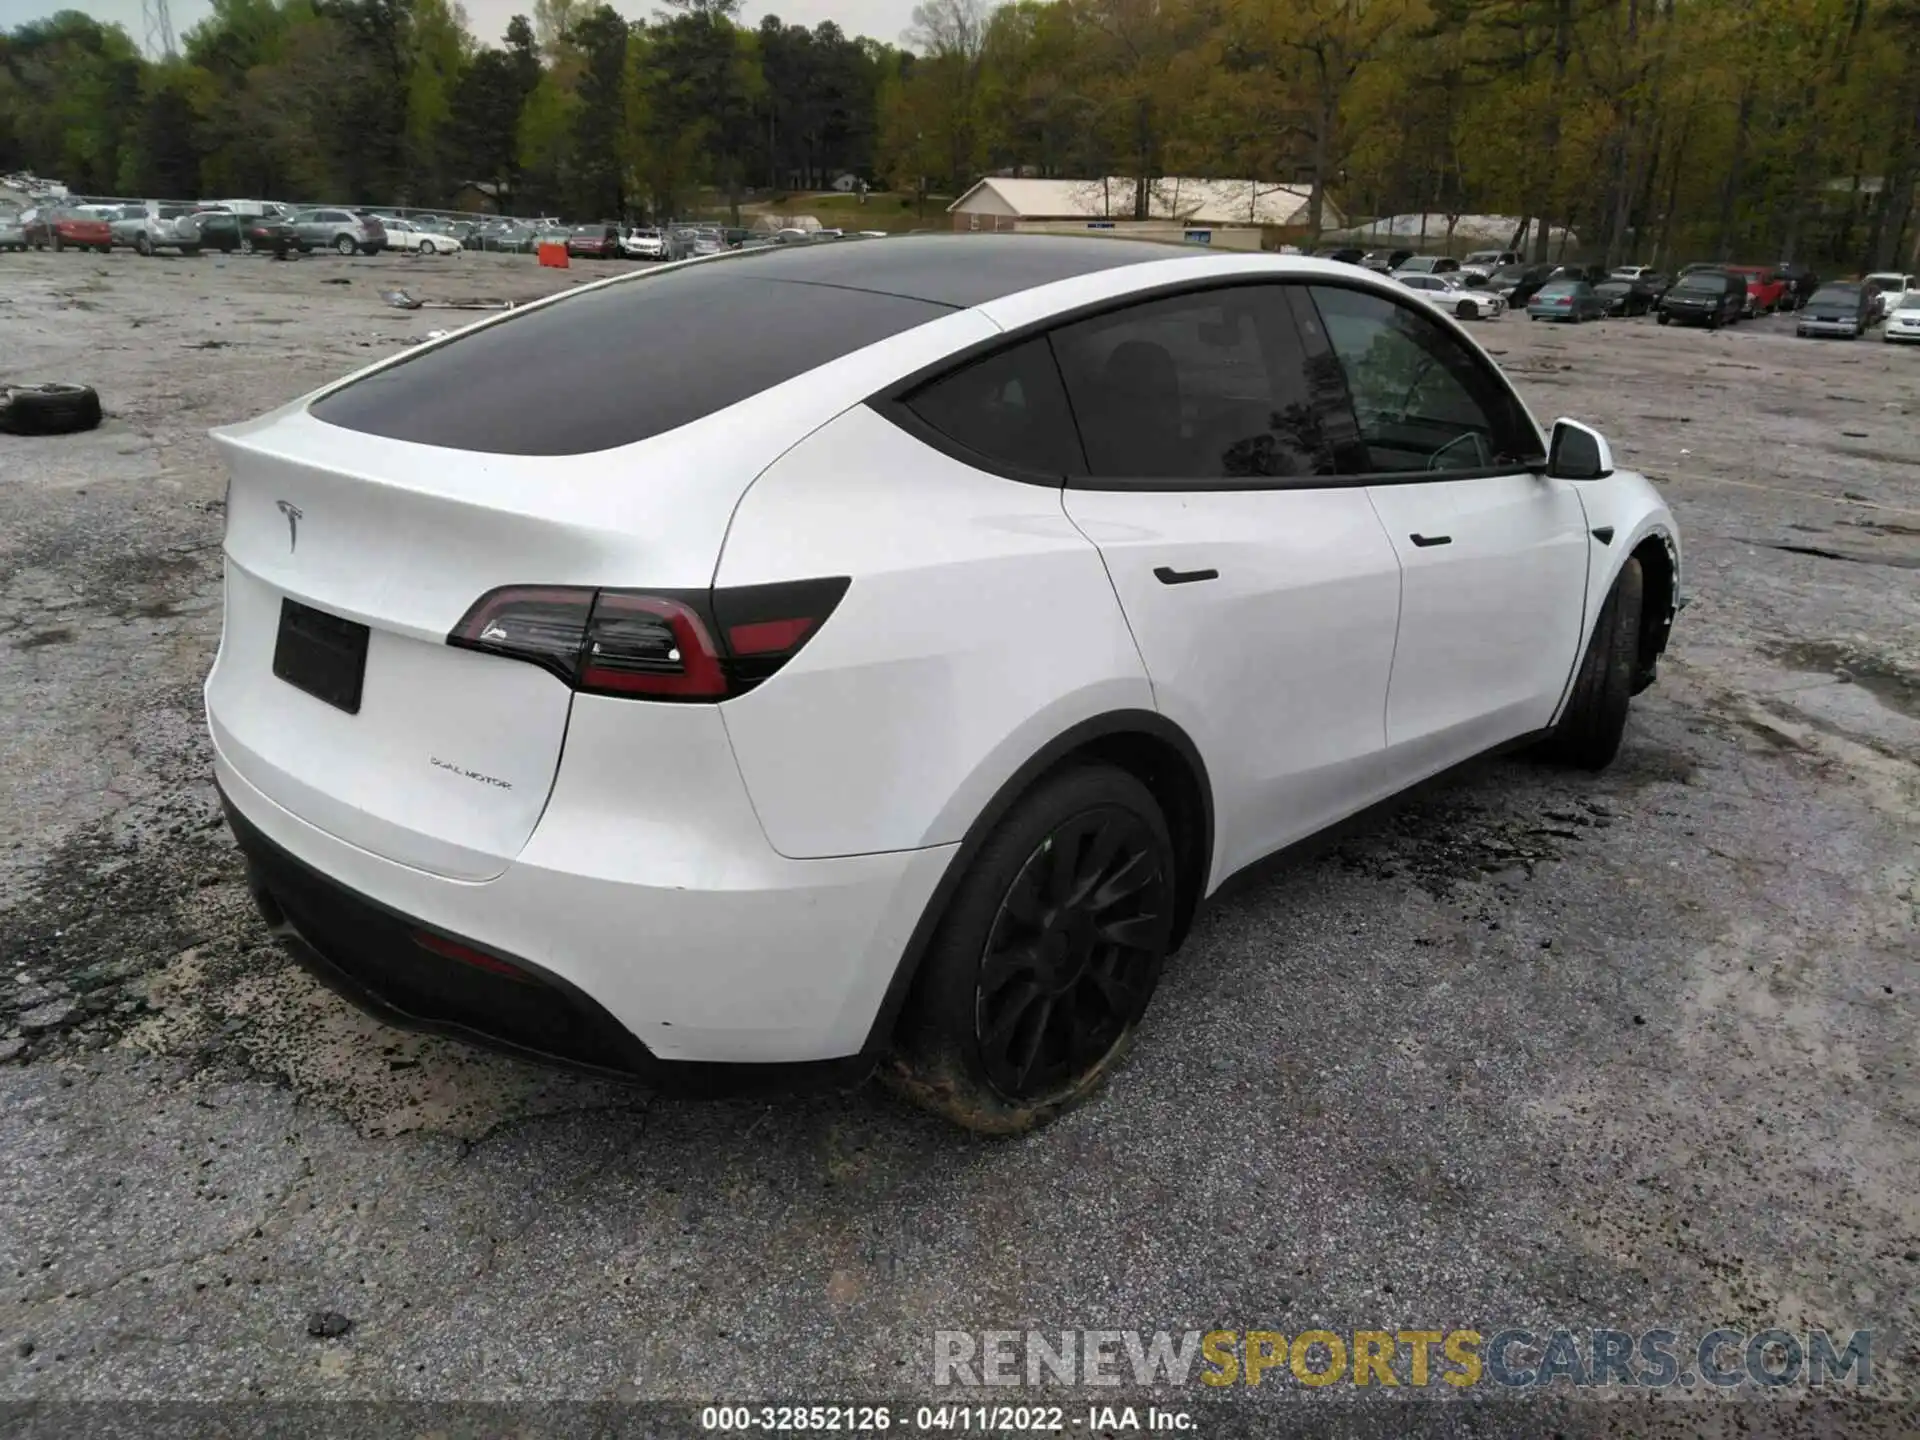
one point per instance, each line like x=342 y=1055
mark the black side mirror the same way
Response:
x=1577 y=452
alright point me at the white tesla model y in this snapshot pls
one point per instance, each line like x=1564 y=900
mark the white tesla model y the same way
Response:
x=881 y=663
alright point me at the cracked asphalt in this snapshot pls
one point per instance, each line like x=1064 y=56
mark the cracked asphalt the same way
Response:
x=1538 y=1049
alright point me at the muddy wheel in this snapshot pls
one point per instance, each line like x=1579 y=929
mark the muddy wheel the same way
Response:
x=1046 y=957
x=54 y=409
x=1588 y=735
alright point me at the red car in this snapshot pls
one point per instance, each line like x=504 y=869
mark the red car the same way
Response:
x=599 y=241
x=63 y=228
x=1766 y=289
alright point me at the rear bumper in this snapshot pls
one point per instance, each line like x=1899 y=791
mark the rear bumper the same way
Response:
x=769 y=962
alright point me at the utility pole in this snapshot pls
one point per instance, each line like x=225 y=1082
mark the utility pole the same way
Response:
x=159 y=29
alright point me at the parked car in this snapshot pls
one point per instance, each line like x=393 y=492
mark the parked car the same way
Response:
x=1629 y=272
x=268 y=231
x=13 y=231
x=406 y=235
x=150 y=227
x=1427 y=265
x=1625 y=297
x=598 y=242
x=346 y=231
x=1801 y=283
x=219 y=228
x=1705 y=297
x=1385 y=262
x=1883 y=287
x=643 y=243
x=1838 y=310
x=1517 y=284
x=254 y=209
x=59 y=227
x=900 y=736
x=1461 y=301
x=1903 y=319
x=1485 y=262
x=1766 y=289
x=1572 y=300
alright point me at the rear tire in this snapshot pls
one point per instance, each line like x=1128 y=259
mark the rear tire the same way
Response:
x=1588 y=735
x=1045 y=958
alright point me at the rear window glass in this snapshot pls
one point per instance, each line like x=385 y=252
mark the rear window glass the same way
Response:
x=1009 y=407
x=615 y=366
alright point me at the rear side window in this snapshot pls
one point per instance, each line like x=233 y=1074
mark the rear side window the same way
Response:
x=1194 y=388
x=1422 y=400
x=1009 y=408
x=611 y=367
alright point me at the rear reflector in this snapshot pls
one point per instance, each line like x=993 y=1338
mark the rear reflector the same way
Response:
x=467 y=955
x=656 y=645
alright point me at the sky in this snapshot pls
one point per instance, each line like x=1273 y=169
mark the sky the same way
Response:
x=882 y=19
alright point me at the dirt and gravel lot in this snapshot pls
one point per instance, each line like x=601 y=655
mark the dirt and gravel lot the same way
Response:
x=1540 y=1049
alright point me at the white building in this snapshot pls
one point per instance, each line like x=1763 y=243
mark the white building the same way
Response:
x=1004 y=202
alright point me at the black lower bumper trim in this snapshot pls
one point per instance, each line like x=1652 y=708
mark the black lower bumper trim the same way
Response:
x=372 y=957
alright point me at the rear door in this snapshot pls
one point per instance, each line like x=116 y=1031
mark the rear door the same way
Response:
x=1493 y=556
x=1261 y=590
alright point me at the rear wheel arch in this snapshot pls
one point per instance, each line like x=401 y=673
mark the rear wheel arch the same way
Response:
x=1143 y=743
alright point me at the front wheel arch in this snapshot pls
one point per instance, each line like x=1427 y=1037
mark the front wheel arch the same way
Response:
x=1142 y=742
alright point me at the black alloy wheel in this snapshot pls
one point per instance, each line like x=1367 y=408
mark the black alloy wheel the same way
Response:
x=1044 y=959
x=1073 y=954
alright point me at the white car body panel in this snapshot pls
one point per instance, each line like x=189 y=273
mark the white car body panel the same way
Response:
x=738 y=881
x=895 y=726
x=1490 y=617
x=1278 y=669
x=653 y=889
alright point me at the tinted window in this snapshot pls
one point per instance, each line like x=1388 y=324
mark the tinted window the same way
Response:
x=1205 y=386
x=1423 y=402
x=686 y=343
x=1008 y=407
x=1836 y=299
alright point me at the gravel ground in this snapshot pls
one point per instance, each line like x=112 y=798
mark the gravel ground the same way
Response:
x=1539 y=1049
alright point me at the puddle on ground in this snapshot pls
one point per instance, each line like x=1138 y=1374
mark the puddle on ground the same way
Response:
x=1896 y=688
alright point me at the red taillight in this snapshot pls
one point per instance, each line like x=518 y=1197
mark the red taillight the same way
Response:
x=659 y=645
x=650 y=645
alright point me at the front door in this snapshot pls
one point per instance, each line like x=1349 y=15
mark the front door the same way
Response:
x=1493 y=556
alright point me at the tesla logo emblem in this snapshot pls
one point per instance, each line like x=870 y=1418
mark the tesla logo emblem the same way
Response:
x=292 y=512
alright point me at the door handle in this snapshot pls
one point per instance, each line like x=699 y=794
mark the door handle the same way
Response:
x=1167 y=575
x=1423 y=541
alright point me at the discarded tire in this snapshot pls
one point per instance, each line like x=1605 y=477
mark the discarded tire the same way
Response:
x=48 y=409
